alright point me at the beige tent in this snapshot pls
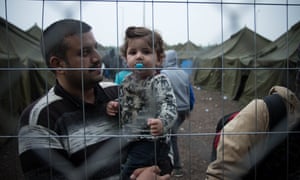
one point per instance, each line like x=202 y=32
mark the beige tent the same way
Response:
x=273 y=65
x=220 y=67
x=22 y=73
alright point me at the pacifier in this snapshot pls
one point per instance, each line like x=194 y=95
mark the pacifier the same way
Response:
x=139 y=65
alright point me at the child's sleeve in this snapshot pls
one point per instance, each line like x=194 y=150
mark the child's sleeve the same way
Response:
x=165 y=101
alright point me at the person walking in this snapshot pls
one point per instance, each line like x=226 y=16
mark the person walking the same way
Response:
x=184 y=99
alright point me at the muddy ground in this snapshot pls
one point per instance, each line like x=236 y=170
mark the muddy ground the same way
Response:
x=197 y=132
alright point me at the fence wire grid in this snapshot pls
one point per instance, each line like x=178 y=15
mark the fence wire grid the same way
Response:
x=234 y=51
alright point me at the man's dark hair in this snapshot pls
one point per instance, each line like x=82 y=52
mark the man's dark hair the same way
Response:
x=52 y=40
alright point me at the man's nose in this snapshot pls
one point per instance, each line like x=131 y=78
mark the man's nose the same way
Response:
x=96 y=56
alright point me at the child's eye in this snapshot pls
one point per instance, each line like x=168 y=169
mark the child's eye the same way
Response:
x=132 y=52
x=147 y=51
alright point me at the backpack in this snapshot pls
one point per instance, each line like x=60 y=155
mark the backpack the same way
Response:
x=282 y=161
x=192 y=97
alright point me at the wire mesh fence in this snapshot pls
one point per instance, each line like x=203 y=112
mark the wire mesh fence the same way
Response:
x=233 y=51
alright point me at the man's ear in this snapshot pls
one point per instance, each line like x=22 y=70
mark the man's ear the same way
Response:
x=57 y=63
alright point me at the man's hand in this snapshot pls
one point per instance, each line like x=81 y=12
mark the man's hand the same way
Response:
x=148 y=173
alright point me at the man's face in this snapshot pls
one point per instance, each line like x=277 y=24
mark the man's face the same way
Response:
x=82 y=53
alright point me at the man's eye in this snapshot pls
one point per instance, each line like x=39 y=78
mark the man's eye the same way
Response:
x=85 y=52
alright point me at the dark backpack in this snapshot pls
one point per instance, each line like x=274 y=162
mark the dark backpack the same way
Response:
x=282 y=160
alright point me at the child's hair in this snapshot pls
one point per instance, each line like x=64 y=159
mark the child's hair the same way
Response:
x=153 y=39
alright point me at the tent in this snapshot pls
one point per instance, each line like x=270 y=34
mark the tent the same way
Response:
x=273 y=65
x=188 y=50
x=187 y=53
x=220 y=67
x=35 y=31
x=22 y=73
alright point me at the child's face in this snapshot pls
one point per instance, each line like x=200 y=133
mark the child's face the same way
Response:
x=140 y=52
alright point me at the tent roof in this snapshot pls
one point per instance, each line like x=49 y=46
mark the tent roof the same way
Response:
x=35 y=31
x=282 y=53
x=188 y=46
x=240 y=44
x=14 y=42
x=283 y=48
x=188 y=50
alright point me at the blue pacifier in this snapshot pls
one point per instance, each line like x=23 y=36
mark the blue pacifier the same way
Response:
x=139 y=65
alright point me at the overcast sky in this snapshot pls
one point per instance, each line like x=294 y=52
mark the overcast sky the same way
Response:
x=203 y=22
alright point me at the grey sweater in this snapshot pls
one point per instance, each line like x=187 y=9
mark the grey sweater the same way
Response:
x=179 y=80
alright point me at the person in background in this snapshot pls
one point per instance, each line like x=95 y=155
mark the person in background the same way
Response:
x=244 y=142
x=66 y=134
x=262 y=140
x=147 y=102
x=121 y=75
x=184 y=99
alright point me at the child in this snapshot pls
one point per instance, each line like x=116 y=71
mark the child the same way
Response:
x=147 y=101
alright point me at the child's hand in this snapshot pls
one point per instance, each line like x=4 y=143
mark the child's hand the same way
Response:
x=112 y=108
x=156 y=126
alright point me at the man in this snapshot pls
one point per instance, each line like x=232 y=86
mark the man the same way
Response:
x=148 y=173
x=184 y=100
x=66 y=134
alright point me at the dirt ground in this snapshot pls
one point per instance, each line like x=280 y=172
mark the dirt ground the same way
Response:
x=197 y=132
x=195 y=138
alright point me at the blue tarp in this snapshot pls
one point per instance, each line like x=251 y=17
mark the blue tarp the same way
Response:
x=186 y=65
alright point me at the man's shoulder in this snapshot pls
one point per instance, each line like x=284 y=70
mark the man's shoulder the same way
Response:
x=111 y=89
x=107 y=84
x=32 y=112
